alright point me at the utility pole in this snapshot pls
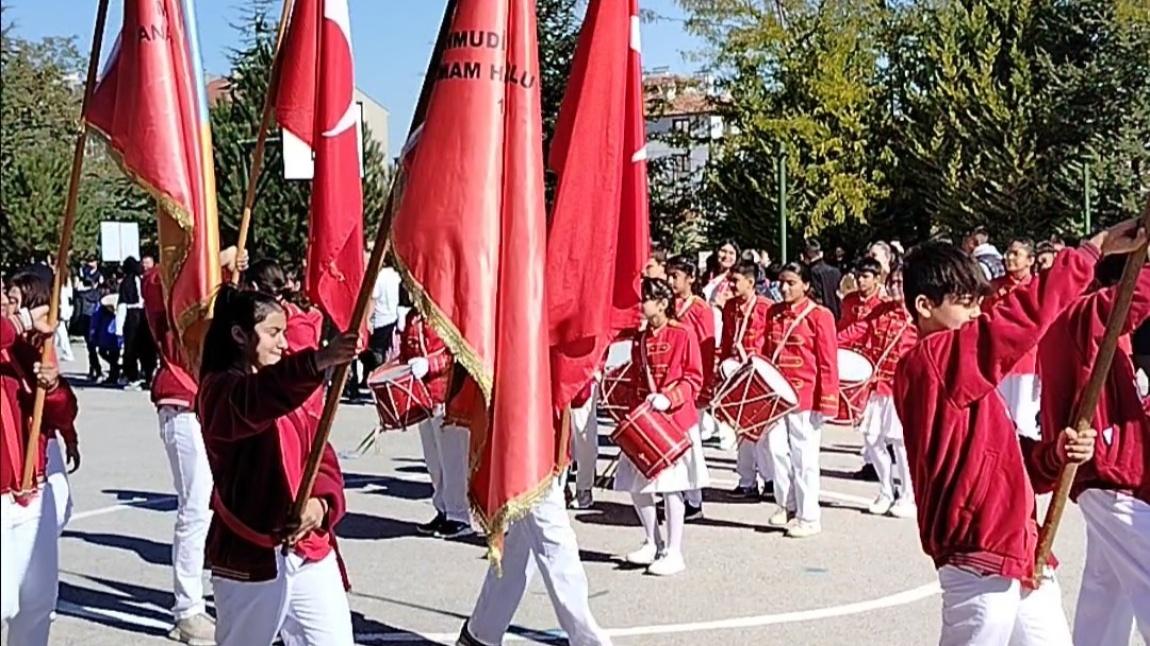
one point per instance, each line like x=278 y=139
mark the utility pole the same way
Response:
x=781 y=163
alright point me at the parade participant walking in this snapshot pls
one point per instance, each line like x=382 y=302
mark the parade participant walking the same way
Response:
x=976 y=504
x=30 y=521
x=800 y=341
x=671 y=374
x=692 y=311
x=258 y=432
x=858 y=304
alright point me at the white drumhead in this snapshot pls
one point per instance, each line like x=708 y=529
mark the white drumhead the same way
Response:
x=775 y=380
x=391 y=372
x=854 y=368
x=618 y=353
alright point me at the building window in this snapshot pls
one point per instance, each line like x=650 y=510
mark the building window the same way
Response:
x=681 y=166
x=681 y=124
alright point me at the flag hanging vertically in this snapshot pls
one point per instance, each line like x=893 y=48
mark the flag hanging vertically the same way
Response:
x=316 y=102
x=599 y=237
x=469 y=237
x=151 y=107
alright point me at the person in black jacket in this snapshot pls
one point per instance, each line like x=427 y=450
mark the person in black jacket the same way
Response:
x=825 y=279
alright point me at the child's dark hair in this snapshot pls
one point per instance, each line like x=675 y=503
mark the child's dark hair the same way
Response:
x=729 y=241
x=268 y=277
x=233 y=307
x=937 y=270
x=748 y=268
x=35 y=288
x=1025 y=243
x=655 y=289
x=689 y=269
x=869 y=266
x=802 y=270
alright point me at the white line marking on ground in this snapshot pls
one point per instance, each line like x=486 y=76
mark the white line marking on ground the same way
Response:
x=101 y=615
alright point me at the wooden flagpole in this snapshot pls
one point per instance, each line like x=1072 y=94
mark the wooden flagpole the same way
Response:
x=378 y=251
x=262 y=137
x=1084 y=411
x=32 y=451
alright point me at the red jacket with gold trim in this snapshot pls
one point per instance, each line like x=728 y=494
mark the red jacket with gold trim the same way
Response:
x=421 y=340
x=886 y=331
x=676 y=368
x=1000 y=288
x=856 y=308
x=696 y=315
x=744 y=323
x=809 y=361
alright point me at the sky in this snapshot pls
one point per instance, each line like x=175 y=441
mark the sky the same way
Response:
x=392 y=40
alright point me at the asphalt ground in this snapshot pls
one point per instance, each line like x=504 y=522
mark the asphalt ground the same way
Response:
x=864 y=580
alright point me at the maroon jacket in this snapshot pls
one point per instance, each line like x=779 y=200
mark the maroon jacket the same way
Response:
x=255 y=426
x=975 y=501
x=17 y=394
x=1066 y=357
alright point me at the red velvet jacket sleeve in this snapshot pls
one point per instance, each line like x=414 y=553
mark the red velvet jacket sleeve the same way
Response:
x=8 y=333
x=826 y=361
x=60 y=411
x=329 y=486
x=255 y=401
x=975 y=358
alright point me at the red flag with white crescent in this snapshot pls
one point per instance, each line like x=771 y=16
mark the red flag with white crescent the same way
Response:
x=470 y=240
x=600 y=234
x=315 y=101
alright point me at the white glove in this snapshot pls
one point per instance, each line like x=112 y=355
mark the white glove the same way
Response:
x=659 y=402
x=729 y=368
x=420 y=366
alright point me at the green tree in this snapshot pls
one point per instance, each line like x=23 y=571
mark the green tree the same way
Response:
x=558 y=30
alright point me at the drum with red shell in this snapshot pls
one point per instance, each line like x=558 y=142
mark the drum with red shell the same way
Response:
x=401 y=399
x=619 y=392
x=754 y=398
x=855 y=386
x=651 y=440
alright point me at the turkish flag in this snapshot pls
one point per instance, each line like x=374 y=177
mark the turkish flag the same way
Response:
x=470 y=239
x=151 y=108
x=600 y=234
x=315 y=101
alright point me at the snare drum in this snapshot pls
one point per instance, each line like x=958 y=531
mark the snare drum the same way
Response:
x=855 y=386
x=400 y=398
x=754 y=397
x=651 y=440
x=620 y=382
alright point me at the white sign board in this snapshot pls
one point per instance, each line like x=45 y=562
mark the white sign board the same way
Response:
x=299 y=158
x=119 y=240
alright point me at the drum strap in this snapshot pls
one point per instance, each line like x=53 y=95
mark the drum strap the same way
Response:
x=890 y=347
x=646 y=363
x=742 y=329
x=791 y=330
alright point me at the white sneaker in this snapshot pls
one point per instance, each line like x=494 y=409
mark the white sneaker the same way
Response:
x=804 y=529
x=645 y=555
x=779 y=518
x=903 y=509
x=669 y=564
x=881 y=506
x=582 y=500
x=197 y=630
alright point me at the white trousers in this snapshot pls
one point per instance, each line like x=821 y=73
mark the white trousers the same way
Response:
x=305 y=605
x=793 y=445
x=192 y=480
x=29 y=567
x=753 y=462
x=63 y=343
x=445 y=450
x=542 y=540
x=881 y=428
x=56 y=475
x=1023 y=394
x=986 y=610
x=585 y=440
x=1116 y=580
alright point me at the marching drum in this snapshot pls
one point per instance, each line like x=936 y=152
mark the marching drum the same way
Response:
x=620 y=381
x=651 y=440
x=400 y=398
x=855 y=385
x=754 y=398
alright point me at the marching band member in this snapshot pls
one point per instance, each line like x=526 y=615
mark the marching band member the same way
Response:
x=744 y=323
x=585 y=442
x=1113 y=489
x=859 y=303
x=693 y=312
x=445 y=445
x=1020 y=388
x=257 y=427
x=174 y=395
x=883 y=334
x=670 y=377
x=976 y=504
x=800 y=340
x=29 y=521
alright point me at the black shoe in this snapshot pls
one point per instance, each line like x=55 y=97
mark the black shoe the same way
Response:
x=693 y=513
x=866 y=474
x=768 y=494
x=432 y=528
x=746 y=492
x=465 y=638
x=454 y=529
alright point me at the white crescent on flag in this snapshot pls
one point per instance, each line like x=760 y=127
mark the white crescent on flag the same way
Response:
x=336 y=11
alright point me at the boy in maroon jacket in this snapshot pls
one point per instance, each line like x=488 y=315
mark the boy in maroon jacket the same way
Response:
x=976 y=512
x=1113 y=489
